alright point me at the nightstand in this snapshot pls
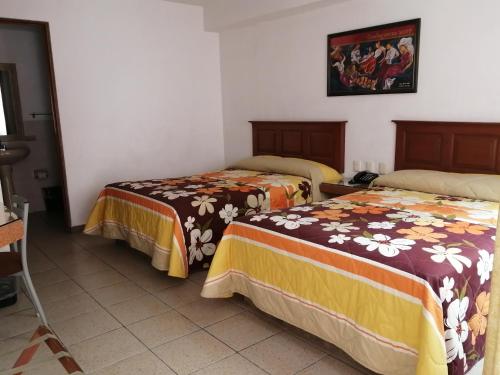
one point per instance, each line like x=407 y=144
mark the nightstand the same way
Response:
x=336 y=189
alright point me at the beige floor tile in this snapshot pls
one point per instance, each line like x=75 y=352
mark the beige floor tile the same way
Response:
x=283 y=354
x=62 y=250
x=329 y=366
x=325 y=346
x=142 y=364
x=343 y=357
x=130 y=265
x=117 y=293
x=181 y=294
x=105 y=350
x=162 y=328
x=85 y=326
x=108 y=252
x=125 y=259
x=37 y=262
x=64 y=289
x=232 y=365
x=198 y=277
x=88 y=241
x=22 y=303
x=99 y=279
x=154 y=281
x=49 y=277
x=139 y=308
x=70 y=254
x=192 y=352
x=70 y=307
x=86 y=267
x=206 y=311
x=52 y=367
x=18 y=323
x=15 y=343
x=243 y=330
x=42 y=354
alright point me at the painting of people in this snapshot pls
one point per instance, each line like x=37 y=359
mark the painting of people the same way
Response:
x=375 y=60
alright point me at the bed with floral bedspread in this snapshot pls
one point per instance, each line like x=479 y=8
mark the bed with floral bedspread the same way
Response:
x=178 y=221
x=398 y=279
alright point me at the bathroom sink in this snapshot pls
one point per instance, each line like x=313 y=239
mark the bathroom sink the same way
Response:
x=9 y=155
x=13 y=155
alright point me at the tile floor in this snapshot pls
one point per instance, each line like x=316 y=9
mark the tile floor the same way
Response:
x=118 y=315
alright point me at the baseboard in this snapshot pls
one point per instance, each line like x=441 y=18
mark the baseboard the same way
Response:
x=77 y=228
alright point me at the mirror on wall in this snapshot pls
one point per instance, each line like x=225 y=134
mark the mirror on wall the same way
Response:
x=11 y=122
x=3 y=124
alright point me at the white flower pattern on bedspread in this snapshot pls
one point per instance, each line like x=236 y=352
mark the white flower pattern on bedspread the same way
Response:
x=458 y=330
x=200 y=245
x=293 y=221
x=387 y=246
x=451 y=254
x=484 y=265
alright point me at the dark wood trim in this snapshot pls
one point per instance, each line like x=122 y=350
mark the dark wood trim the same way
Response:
x=321 y=141
x=77 y=228
x=463 y=147
x=55 y=110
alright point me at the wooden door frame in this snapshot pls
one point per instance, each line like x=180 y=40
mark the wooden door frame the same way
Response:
x=56 y=122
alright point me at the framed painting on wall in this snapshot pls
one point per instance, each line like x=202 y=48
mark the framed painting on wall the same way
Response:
x=375 y=60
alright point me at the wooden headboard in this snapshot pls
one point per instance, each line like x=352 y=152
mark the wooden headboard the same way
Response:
x=321 y=141
x=466 y=147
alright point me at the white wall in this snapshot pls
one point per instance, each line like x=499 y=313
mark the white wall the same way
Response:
x=277 y=71
x=138 y=83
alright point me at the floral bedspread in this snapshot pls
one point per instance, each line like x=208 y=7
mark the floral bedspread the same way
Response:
x=437 y=250
x=178 y=221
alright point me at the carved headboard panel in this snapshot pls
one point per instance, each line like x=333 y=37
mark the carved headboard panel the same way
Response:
x=466 y=147
x=312 y=140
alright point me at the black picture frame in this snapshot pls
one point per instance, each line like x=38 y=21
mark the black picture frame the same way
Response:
x=380 y=59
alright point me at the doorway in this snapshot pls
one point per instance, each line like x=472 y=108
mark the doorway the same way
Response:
x=41 y=177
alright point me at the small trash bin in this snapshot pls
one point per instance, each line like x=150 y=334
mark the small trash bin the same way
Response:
x=8 y=291
x=52 y=197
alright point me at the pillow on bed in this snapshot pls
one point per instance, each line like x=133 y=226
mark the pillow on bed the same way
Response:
x=475 y=186
x=312 y=170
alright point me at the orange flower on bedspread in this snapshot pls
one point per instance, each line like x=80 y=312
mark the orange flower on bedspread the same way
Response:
x=478 y=322
x=209 y=190
x=422 y=233
x=213 y=174
x=242 y=188
x=176 y=181
x=370 y=210
x=461 y=227
x=329 y=214
x=436 y=209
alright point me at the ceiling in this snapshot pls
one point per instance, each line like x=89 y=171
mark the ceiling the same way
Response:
x=221 y=15
x=190 y=2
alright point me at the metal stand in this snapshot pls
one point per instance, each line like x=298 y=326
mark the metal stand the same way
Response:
x=7 y=184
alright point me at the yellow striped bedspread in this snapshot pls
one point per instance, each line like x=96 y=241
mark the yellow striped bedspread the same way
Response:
x=398 y=279
x=179 y=221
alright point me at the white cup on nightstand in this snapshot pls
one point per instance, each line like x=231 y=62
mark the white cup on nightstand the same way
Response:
x=372 y=166
x=358 y=165
x=382 y=168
